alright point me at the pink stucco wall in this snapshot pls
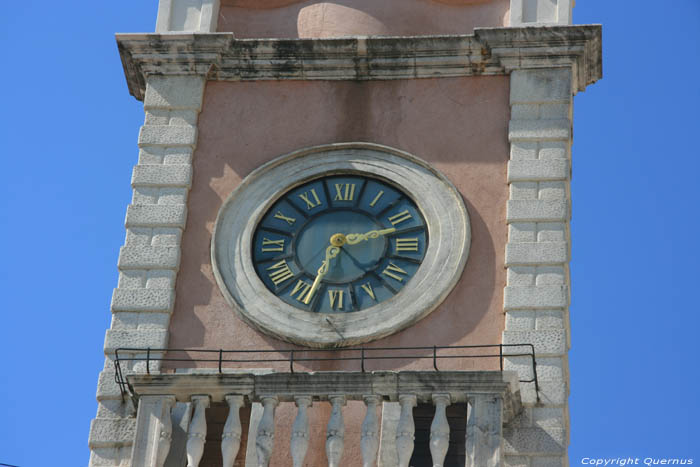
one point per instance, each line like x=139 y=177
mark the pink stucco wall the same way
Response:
x=315 y=18
x=459 y=125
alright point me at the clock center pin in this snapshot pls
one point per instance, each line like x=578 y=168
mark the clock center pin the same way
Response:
x=338 y=239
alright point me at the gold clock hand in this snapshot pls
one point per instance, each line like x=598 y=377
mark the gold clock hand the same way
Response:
x=354 y=238
x=331 y=252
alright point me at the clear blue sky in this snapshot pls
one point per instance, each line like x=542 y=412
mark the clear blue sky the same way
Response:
x=69 y=130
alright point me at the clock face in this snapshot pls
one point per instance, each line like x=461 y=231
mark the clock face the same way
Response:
x=339 y=244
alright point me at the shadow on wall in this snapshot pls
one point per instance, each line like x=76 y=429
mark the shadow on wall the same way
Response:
x=315 y=18
x=244 y=125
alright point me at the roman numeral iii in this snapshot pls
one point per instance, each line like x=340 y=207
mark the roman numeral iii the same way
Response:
x=344 y=192
x=280 y=272
x=406 y=244
x=310 y=198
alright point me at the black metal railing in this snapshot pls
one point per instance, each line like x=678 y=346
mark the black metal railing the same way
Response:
x=428 y=352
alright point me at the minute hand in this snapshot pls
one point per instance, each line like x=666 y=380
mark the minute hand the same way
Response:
x=353 y=238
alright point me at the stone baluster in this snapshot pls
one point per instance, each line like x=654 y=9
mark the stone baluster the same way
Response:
x=405 y=430
x=440 y=430
x=335 y=434
x=197 y=432
x=266 y=431
x=153 y=431
x=483 y=443
x=370 y=432
x=231 y=437
x=300 y=431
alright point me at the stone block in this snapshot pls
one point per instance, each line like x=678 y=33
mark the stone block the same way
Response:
x=134 y=320
x=548 y=416
x=551 y=275
x=172 y=195
x=522 y=232
x=132 y=279
x=554 y=150
x=135 y=338
x=555 y=111
x=538 y=130
x=552 y=232
x=138 y=236
x=149 y=257
x=550 y=85
x=156 y=215
x=525 y=112
x=516 y=461
x=166 y=237
x=176 y=175
x=107 y=387
x=523 y=320
x=536 y=210
x=537 y=170
x=536 y=253
x=534 y=440
x=523 y=150
x=111 y=432
x=543 y=297
x=115 y=409
x=145 y=195
x=522 y=276
x=550 y=342
x=557 y=461
x=151 y=300
x=549 y=319
x=553 y=190
x=174 y=92
x=524 y=190
x=166 y=135
x=160 y=279
x=111 y=457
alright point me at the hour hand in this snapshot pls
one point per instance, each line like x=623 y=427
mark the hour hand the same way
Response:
x=353 y=238
x=331 y=252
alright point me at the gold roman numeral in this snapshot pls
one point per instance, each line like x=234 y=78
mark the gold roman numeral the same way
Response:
x=272 y=245
x=289 y=220
x=406 y=244
x=344 y=195
x=392 y=270
x=280 y=272
x=368 y=288
x=300 y=290
x=400 y=217
x=336 y=299
x=376 y=198
x=310 y=203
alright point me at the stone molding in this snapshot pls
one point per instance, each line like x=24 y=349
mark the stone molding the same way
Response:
x=150 y=258
x=321 y=385
x=439 y=201
x=489 y=51
x=536 y=295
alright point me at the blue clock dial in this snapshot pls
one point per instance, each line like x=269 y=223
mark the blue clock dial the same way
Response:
x=340 y=244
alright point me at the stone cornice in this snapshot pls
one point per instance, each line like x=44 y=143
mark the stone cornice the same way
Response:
x=491 y=51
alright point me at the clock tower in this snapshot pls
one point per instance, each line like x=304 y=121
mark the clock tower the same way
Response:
x=348 y=240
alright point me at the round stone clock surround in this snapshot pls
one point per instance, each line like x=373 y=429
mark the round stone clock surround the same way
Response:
x=440 y=204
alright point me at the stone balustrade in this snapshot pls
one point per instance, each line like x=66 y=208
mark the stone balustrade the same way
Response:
x=492 y=398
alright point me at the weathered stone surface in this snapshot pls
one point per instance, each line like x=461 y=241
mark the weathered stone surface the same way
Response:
x=176 y=175
x=112 y=432
x=156 y=215
x=157 y=257
x=489 y=51
x=148 y=300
